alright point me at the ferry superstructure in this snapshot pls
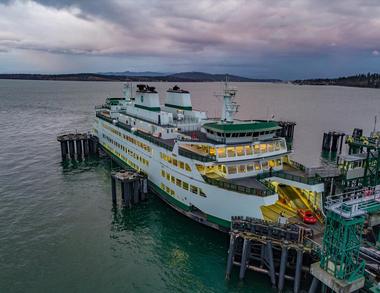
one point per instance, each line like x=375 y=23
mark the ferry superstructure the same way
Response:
x=207 y=169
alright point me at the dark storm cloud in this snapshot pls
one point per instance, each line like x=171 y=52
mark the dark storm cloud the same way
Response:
x=204 y=31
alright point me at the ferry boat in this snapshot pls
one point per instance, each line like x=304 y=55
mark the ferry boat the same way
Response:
x=208 y=169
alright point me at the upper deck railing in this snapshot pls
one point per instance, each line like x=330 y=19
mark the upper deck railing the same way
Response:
x=291 y=177
x=239 y=188
x=192 y=155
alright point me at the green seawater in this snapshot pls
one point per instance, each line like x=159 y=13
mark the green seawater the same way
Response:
x=58 y=230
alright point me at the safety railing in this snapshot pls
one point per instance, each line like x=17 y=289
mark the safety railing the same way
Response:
x=195 y=156
x=238 y=188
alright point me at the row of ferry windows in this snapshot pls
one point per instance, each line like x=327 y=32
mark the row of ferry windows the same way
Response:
x=175 y=162
x=128 y=151
x=130 y=139
x=183 y=184
x=244 y=168
x=247 y=150
x=167 y=189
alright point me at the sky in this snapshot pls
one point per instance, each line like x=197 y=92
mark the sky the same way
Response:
x=286 y=39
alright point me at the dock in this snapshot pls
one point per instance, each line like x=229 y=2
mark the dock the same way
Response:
x=77 y=146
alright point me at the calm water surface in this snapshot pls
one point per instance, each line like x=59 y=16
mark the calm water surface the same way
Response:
x=58 y=232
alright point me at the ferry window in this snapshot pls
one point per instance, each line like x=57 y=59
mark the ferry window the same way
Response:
x=231 y=169
x=162 y=186
x=187 y=167
x=240 y=151
x=211 y=151
x=231 y=151
x=270 y=147
x=271 y=163
x=169 y=159
x=249 y=167
x=256 y=148
x=265 y=165
x=234 y=134
x=200 y=168
x=167 y=189
x=221 y=152
x=278 y=162
x=172 y=192
x=194 y=189
x=168 y=176
x=174 y=162
x=228 y=134
x=257 y=166
x=185 y=185
x=181 y=165
x=242 y=169
x=178 y=182
x=277 y=146
x=282 y=144
x=248 y=150
x=255 y=134
x=263 y=148
x=201 y=193
x=172 y=179
x=163 y=173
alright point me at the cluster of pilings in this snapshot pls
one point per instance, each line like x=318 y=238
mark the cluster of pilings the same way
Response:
x=333 y=141
x=273 y=249
x=287 y=131
x=78 y=145
x=133 y=186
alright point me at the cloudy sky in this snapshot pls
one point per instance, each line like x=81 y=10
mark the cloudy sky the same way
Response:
x=258 y=38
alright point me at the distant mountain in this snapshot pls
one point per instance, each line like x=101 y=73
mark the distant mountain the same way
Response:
x=133 y=73
x=176 y=77
x=361 y=80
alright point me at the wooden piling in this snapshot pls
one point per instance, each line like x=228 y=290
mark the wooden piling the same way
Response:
x=231 y=253
x=297 y=276
x=281 y=275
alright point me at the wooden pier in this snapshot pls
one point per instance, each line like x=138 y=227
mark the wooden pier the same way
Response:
x=133 y=186
x=77 y=146
x=277 y=250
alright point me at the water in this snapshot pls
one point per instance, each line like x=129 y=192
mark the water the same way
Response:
x=58 y=232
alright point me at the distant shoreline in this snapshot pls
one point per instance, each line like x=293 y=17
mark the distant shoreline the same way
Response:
x=360 y=81
x=177 y=77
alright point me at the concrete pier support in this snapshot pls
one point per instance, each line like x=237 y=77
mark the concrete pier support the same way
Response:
x=270 y=262
x=314 y=286
x=230 y=258
x=64 y=150
x=281 y=275
x=86 y=150
x=244 y=256
x=71 y=149
x=79 y=148
x=297 y=276
x=113 y=186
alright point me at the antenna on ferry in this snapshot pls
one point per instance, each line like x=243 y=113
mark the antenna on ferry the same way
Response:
x=229 y=106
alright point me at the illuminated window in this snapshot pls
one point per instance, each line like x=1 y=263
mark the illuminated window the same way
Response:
x=256 y=148
x=163 y=173
x=278 y=162
x=172 y=179
x=263 y=148
x=231 y=151
x=231 y=169
x=248 y=150
x=194 y=189
x=221 y=152
x=187 y=167
x=272 y=163
x=257 y=166
x=168 y=176
x=181 y=165
x=185 y=185
x=174 y=162
x=178 y=182
x=242 y=169
x=172 y=192
x=249 y=167
x=277 y=146
x=162 y=186
x=240 y=150
x=212 y=151
x=270 y=147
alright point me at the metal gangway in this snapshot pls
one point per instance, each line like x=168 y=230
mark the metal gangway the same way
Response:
x=354 y=203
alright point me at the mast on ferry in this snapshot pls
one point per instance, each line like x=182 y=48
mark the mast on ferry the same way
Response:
x=229 y=106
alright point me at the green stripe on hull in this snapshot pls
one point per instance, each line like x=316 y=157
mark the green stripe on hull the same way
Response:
x=171 y=200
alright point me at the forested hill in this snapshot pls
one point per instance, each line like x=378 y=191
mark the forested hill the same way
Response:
x=370 y=80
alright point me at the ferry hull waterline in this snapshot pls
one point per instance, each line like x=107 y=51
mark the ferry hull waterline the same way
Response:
x=207 y=169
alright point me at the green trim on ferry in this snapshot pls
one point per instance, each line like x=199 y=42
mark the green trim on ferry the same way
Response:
x=242 y=127
x=169 y=198
x=153 y=109
x=185 y=108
